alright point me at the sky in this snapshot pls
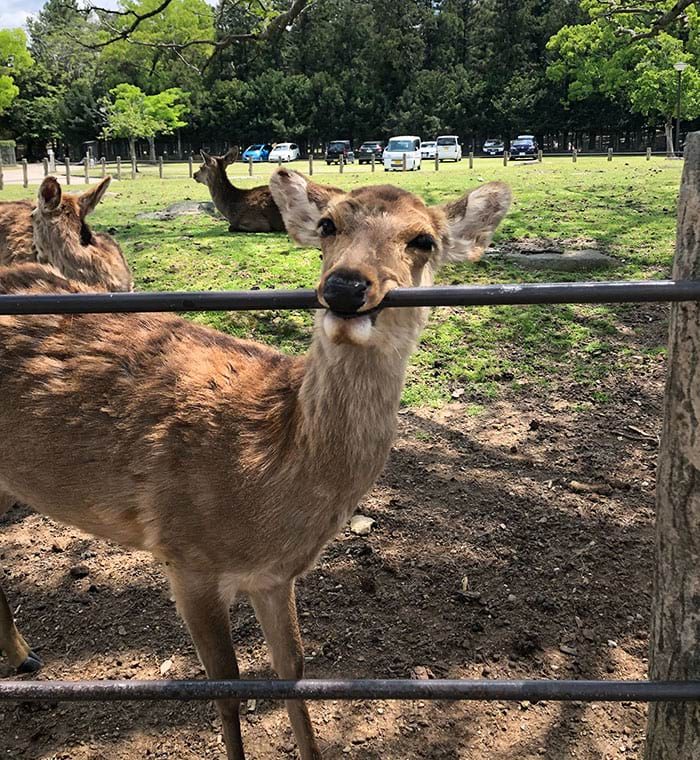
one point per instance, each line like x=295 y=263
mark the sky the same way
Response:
x=14 y=12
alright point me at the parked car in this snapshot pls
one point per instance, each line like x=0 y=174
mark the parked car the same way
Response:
x=524 y=146
x=493 y=147
x=427 y=149
x=284 y=152
x=448 y=148
x=397 y=148
x=340 y=150
x=368 y=149
x=258 y=152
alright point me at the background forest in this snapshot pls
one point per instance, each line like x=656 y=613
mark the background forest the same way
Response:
x=569 y=71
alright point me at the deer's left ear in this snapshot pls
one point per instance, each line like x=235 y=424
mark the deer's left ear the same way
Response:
x=90 y=198
x=472 y=220
x=231 y=156
x=302 y=204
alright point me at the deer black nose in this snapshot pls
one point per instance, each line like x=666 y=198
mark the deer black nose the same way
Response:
x=345 y=291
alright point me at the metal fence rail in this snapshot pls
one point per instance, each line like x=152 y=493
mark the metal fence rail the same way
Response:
x=312 y=689
x=458 y=295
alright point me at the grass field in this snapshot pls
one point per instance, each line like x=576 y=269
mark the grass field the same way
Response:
x=627 y=207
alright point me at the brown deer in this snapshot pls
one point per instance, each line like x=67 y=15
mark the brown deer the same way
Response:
x=55 y=232
x=251 y=210
x=229 y=461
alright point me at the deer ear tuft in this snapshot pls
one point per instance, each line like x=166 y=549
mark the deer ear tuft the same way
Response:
x=50 y=194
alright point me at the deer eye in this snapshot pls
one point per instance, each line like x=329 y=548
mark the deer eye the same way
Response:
x=423 y=242
x=327 y=227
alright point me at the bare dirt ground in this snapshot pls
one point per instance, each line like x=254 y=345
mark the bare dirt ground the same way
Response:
x=513 y=543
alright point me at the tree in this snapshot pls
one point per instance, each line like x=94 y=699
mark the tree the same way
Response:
x=133 y=114
x=595 y=59
x=14 y=58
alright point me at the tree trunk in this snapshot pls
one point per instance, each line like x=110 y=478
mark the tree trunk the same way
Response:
x=673 y=729
x=152 y=148
x=668 y=130
x=132 y=148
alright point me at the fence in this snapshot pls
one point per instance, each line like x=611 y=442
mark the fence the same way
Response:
x=687 y=332
x=87 y=170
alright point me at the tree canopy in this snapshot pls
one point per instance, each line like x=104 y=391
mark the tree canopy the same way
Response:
x=361 y=69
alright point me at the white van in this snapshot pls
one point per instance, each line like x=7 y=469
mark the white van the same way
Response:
x=397 y=148
x=448 y=148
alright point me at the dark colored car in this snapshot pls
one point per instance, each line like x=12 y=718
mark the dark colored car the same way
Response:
x=493 y=147
x=340 y=150
x=524 y=146
x=369 y=149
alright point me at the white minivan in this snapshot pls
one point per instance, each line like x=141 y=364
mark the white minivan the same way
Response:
x=397 y=148
x=448 y=148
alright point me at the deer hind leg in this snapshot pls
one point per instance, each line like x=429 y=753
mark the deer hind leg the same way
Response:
x=207 y=618
x=11 y=642
x=277 y=612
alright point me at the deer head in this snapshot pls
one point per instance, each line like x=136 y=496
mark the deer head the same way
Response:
x=63 y=238
x=377 y=238
x=214 y=167
x=60 y=217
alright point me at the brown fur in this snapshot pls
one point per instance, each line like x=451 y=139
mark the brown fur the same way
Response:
x=54 y=232
x=252 y=210
x=229 y=461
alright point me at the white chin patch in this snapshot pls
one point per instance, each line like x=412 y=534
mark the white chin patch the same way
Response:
x=338 y=330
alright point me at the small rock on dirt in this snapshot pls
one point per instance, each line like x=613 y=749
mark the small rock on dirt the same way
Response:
x=79 y=571
x=165 y=667
x=602 y=488
x=361 y=525
x=421 y=673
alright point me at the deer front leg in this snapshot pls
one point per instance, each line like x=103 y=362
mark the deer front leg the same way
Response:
x=11 y=642
x=277 y=612
x=207 y=618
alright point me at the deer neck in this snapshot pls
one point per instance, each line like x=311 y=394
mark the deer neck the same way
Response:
x=349 y=399
x=224 y=193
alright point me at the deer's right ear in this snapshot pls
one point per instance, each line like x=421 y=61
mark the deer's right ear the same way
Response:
x=206 y=157
x=302 y=203
x=49 y=194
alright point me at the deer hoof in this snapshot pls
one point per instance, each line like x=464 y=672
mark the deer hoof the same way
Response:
x=31 y=664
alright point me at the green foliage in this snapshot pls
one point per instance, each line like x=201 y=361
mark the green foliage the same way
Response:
x=131 y=113
x=14 y=58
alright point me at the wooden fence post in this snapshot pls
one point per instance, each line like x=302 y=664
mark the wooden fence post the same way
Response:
x=648 y=154
x=250 y=166
x=311 y=163
x=610 y=152
x=574 y=155
x=133 y=167
x=119 y=167
x=2 y=177
x=160 y=166
x=45 y=163
x=103 y=167
x=86 y=168
x=505 y=157
x=67 y=164
x=25 y=173
x=437 y=162
x=373 y=162
x=539 y=156
x=673 y=728
x=404 y=163
x=471 y=159
x=189 y=164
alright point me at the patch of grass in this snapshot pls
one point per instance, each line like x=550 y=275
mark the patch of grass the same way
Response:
x=627 y=207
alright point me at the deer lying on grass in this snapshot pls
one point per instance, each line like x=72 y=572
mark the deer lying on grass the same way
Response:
x=229 y=461
x=251 y=210
x=55 y=232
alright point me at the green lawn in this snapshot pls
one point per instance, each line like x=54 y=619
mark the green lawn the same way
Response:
x=628 y=206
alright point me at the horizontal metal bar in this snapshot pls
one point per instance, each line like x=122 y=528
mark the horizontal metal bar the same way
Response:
x=442 y=689
x=459 y=295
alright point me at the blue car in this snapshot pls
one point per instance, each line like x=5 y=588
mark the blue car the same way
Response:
x=259 y=152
